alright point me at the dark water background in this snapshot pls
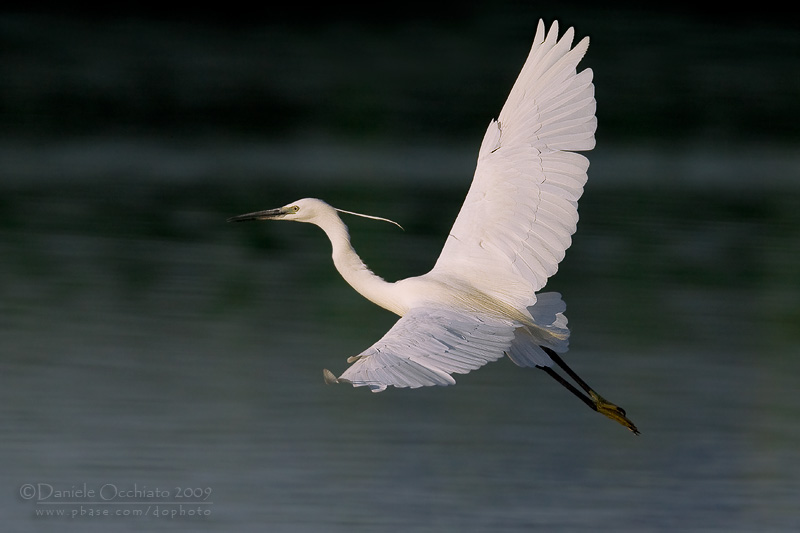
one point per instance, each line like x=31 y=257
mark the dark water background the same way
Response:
x=145 y=344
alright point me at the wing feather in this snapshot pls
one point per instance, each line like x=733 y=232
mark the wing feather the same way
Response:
x=427 y=345
x=521 y=210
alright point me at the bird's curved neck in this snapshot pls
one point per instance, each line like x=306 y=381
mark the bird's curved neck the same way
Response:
x=353 y=269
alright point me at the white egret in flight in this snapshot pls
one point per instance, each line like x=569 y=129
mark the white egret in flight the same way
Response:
x=479 y=301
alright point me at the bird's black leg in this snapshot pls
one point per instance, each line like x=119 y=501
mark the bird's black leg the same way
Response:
x=569 y=386
x=593 y=400
x=571 y=373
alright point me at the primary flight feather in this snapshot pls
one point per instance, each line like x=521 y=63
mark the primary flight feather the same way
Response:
x=479 y=301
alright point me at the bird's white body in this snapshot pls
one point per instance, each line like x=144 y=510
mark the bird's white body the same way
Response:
x=509 y=237
x=480 y=300
x=442 y=310
x=433 y=288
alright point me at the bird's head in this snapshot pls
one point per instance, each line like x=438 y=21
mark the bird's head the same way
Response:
x=306 y=210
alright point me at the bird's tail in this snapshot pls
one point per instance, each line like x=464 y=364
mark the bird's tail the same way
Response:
x=549 y=330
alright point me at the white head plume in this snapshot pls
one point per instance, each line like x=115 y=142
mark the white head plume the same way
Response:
x=370 y=216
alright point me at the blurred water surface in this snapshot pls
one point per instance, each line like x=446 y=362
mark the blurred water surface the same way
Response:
x=148 y=345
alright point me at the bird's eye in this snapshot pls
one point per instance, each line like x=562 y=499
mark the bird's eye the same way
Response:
x=294 y=208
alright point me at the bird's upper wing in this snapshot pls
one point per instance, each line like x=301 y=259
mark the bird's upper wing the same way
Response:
x=427 y=345
x=521 y=209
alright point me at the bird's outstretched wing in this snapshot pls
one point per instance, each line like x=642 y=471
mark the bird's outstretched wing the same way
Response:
x=521 y=209
x=426 y=346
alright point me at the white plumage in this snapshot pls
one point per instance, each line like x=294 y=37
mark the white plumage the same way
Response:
x=479 y=301
x=522 y=207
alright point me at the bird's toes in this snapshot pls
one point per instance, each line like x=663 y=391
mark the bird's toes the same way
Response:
x=614 y=412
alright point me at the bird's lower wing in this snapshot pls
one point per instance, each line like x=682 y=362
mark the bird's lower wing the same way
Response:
x=426 y=346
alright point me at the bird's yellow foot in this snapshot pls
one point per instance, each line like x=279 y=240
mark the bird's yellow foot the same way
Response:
x=614 y=412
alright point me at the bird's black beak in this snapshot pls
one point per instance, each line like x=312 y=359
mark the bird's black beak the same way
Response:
x=267 y=214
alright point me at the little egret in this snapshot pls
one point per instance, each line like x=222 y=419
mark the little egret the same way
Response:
x=479 y=301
